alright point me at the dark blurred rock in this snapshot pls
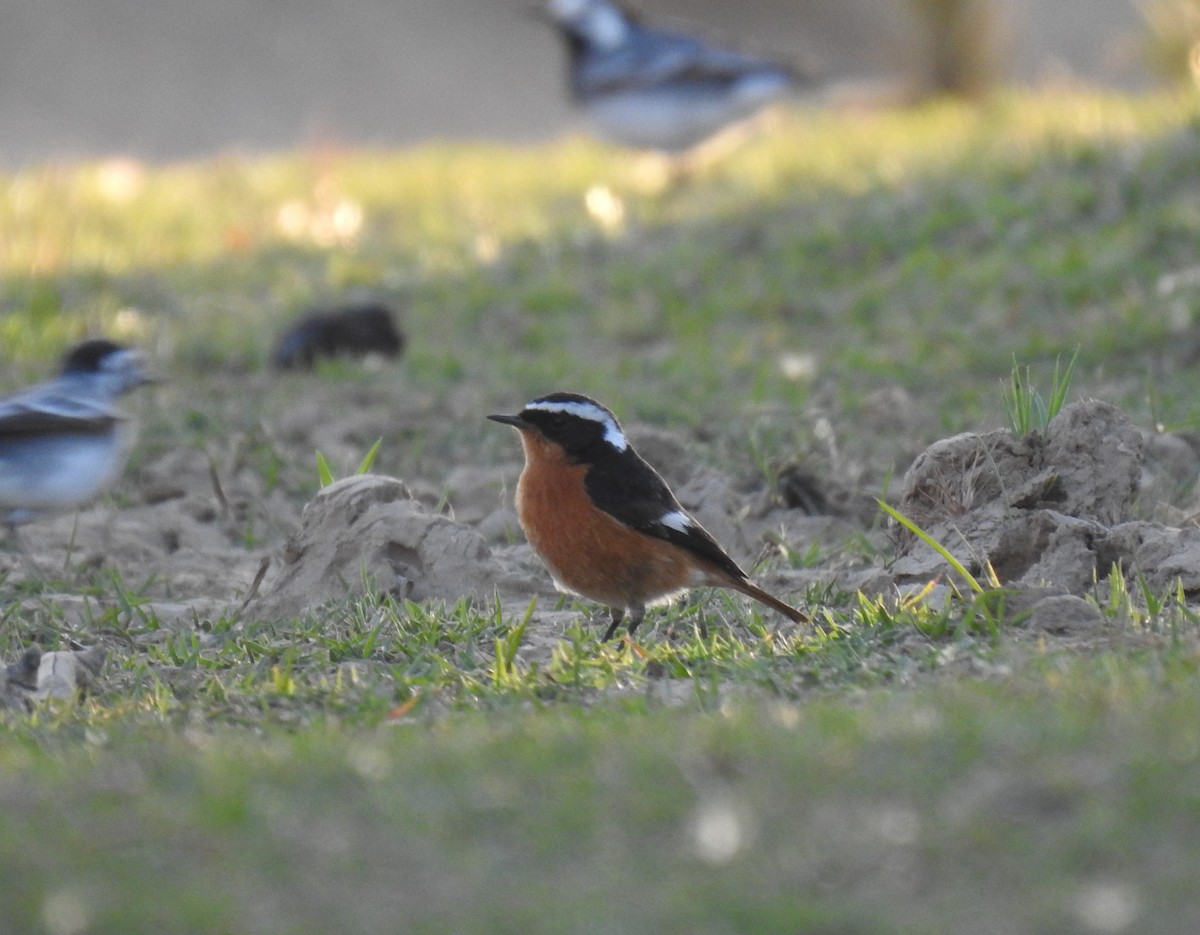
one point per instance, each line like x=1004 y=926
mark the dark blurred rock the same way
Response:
x=354 y=330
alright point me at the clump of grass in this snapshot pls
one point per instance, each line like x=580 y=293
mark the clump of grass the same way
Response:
x=1028 y=411
x=325 y=473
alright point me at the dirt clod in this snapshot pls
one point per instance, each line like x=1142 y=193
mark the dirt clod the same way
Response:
x=1064 y=615
x=1055 y=508
x=368 y=531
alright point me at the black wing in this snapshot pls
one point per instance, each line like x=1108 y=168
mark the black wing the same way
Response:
x=57 y=417
x=650 y=58
x=631 y=491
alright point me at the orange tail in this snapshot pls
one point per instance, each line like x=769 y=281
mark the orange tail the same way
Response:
x=774 y=603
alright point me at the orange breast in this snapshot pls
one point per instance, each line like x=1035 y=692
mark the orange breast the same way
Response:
x=587 y=551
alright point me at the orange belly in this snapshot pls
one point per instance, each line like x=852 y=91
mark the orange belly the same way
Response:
x=587 y=551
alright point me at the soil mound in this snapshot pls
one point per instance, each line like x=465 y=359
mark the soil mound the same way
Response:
x=367 y=532
x=1055 y=508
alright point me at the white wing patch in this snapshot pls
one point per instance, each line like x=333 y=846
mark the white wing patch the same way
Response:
x=677 y=520
x=595 y=413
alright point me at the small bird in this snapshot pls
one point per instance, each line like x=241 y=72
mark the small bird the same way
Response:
x=604 y=522
x=658 y=90
x=63 y=441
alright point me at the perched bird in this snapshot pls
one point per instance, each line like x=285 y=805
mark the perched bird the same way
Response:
x=604 y=522
x=356 y=330
x=63 y=441
x=658 y=90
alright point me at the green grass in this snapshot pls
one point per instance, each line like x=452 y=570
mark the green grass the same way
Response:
x=1028 y=410
x=1008 y=804
x=906 y=765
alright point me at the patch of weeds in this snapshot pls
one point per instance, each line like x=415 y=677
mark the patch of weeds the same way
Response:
x=1142 y=609
x=325 y=474
x=1028 y=411
x=504 y=664
x=811 y=557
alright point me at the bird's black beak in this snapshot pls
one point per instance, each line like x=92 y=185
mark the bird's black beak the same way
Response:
x=515 y=421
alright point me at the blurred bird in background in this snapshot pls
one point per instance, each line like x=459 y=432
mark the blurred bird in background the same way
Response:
x=64 y=441
x=657 y=90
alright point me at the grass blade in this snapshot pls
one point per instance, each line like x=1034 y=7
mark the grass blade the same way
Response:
x=324 y=475
x=932 y=543
x=369 y=458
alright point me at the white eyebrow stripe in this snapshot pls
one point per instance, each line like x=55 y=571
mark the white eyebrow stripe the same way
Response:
x=612 y=432
x=677 y=520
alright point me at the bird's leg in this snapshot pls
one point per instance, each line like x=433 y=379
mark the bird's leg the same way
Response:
x=617 y=614
x=637 y=614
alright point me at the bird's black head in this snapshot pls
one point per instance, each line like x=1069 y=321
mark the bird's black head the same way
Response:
x=107 y=368
x=89 y=357
x=583 y=428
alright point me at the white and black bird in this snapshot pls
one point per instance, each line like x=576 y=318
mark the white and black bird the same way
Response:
x=657 y=90
x=64 y=441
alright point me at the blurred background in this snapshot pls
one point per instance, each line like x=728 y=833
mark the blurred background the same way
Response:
x=175 y=79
